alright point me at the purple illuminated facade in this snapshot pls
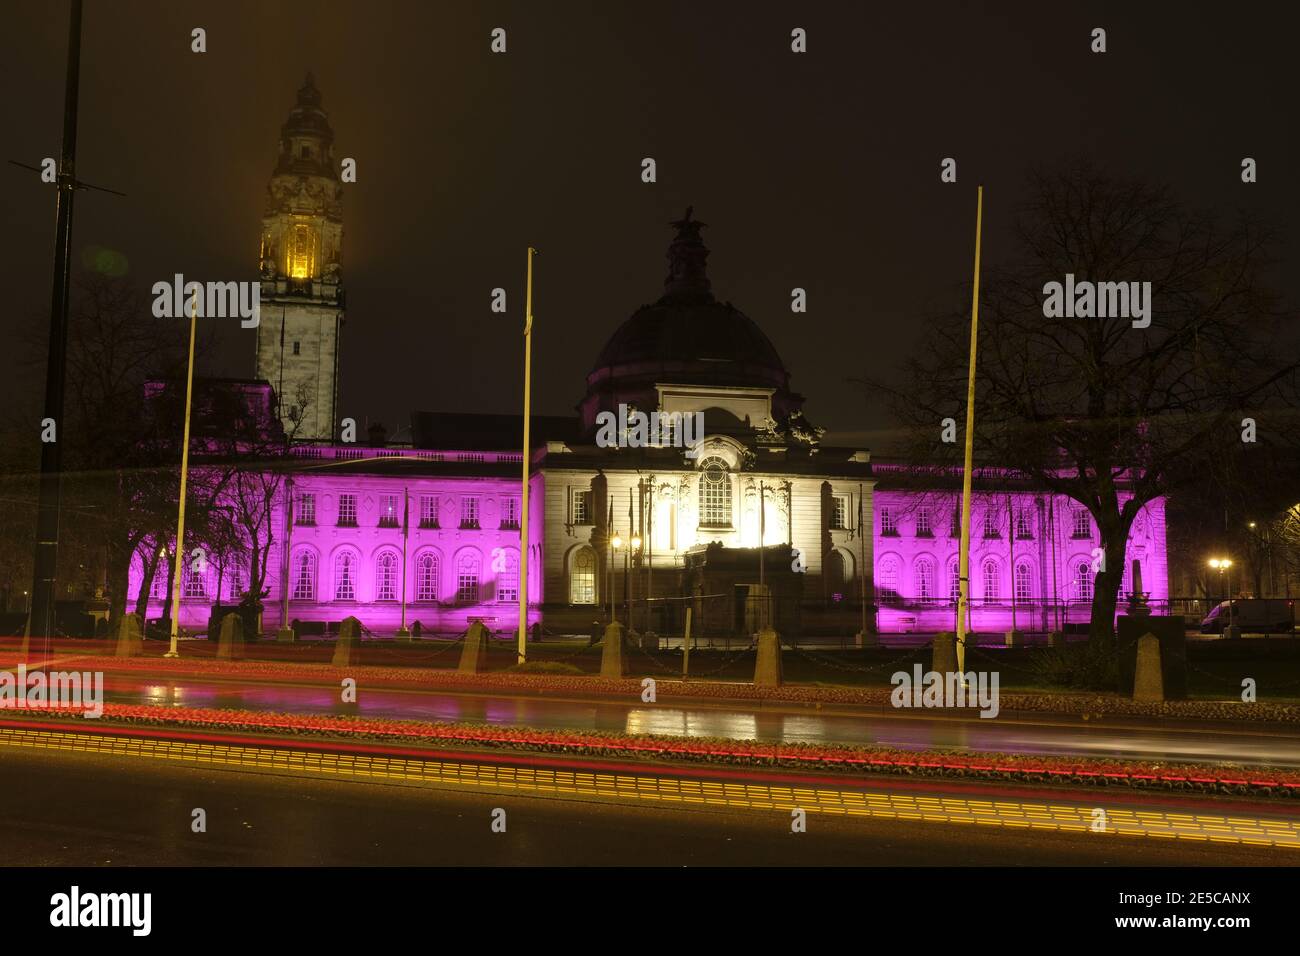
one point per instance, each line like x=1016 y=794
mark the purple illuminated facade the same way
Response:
x=1033 y=559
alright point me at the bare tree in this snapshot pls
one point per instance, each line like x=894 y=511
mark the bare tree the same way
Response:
x=1110 y=415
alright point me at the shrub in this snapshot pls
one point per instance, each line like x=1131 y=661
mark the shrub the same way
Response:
x=1084 y=665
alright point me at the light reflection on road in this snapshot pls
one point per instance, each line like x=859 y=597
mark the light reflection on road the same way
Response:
x=906 y=733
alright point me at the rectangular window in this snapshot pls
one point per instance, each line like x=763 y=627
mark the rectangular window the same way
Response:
x=991 y=523
x=296 y=348
x=390 y=511
x=582 y=507
x=840 y=516
x=469 y=511
x=306 y=508
x=888 y=525
x=1082 y=524
x=510 y=513
x=923 y=524
x=467 y=586
x=428 y=511
x=347 y=511
x=1024 y=526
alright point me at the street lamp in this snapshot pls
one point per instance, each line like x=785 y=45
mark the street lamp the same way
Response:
x=615 y=543
x=1221 y=565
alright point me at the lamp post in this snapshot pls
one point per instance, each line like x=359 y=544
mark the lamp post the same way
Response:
x=185 y=475
x=615 y=542
x=1221 y=565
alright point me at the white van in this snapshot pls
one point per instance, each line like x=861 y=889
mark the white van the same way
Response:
x=1253 y=615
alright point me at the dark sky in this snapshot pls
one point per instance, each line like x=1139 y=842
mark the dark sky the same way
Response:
x=818 y=170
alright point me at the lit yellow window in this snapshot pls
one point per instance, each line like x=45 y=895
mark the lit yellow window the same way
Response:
x=302 y=253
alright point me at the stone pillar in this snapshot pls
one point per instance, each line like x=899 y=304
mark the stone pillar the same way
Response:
x=130 y=642
x=943 y=653
x=613 y=656
x=230 y=644
x=1148 y=681
x=285 y=635
x=473 y=656
x=347 y=649
x=767 y=669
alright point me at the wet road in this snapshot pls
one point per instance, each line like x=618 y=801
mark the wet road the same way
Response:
x=1173 y=742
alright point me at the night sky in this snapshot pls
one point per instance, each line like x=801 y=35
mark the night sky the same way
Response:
x=818 y=170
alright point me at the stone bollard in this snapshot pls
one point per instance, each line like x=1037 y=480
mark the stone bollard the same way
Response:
x=347 y=649
x=285 y=635
x=613 y=656
x=1015 y=638
x=1056 y=639
x=130 y=642
x=1148 y=681
x=943 y=653
x=230 y=643
x=767 y=669
x=474 y=655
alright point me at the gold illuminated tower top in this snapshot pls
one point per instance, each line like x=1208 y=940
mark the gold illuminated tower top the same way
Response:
x=300 y=264
x=302 y=226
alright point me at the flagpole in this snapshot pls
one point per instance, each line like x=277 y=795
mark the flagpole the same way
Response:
x=523 y=524
x=963 y=573
x=178 y=564
x=402 y=632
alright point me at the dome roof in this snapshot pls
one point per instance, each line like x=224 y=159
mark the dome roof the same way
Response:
x=689 y=337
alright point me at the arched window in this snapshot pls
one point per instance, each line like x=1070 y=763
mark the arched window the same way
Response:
x=715 y=494
x=887 y=580
x=582 y=577
x=426 y=577
x=304 y=576
x=954 y=582
x=925 y=579
x=507 y=571
x=836 y=576
x=1024 y=584
x=386 y=576
x=345 y=576
x=467 y=573
x=1083 y=575
x=991 y=583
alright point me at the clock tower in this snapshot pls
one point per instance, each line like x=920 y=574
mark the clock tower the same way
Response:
x=302 y=301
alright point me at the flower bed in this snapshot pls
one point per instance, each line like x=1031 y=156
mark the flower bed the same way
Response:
x=837 y=758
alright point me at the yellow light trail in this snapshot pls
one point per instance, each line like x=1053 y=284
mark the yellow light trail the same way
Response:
x=667 y=790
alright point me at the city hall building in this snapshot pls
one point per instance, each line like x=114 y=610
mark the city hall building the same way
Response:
x=752 y=516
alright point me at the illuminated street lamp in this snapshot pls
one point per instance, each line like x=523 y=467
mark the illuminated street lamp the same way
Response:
x=1221 y=565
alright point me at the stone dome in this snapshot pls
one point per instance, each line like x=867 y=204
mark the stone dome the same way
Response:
x=686 y=337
